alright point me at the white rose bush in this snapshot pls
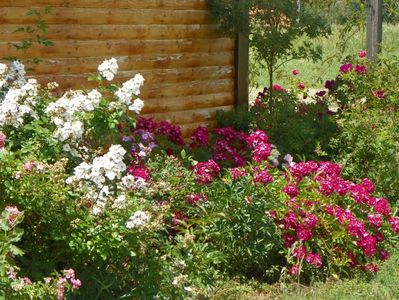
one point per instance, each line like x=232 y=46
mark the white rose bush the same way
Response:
x=66 y=166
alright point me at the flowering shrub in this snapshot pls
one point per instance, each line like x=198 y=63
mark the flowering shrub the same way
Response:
x=332 y=224
x=137 y=212
x=300 y=121
x=367 y=139
x=14 y=286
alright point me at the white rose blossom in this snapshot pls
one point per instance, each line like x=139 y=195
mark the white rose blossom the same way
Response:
x=103 y=169
x=19 y=102
x=109 y=68
x=64 y=113
x=129 y=89
x=139 y=218
x=3 y=68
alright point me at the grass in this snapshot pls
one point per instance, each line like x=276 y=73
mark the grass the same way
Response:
x=317 y=73
x=382 y=286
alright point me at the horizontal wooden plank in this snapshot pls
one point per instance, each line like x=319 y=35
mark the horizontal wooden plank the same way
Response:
x=156 y=90
x=151 y=91
x=130 y=4
x=191 y=116
x=133 y=62
x=64 y=49
x=162 y=105
x=113 y=32
x=152 y=76
x=82 y=16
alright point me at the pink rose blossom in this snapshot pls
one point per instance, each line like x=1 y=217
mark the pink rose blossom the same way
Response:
x=304 y=234
x=394 y=222
x=314 y=259
x=379 y=94
x=205 y=172
x=374 y=220
x=368 y=244
x=195 y=199
x=299 y=252
x=345 y=68
x=237 y=173
x=294 y=270
x=295 y=72
x=362 y=54
x=360 y=69
x=384 y=255
x=13 y=214
x=373 y=268
x=2 y=140
x=263 y=177
x=291 y=190
x=76 y=283
x=279 y=88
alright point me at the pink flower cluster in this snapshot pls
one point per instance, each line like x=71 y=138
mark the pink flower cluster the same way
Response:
x=279 y=88
x=172 y=132
x=3 y=139
x=346 y=68
x=194 y=199
x=364 y=220
x=237 y=173
x=205 y=172
x=260 y=146
x=179 y=217
x=12 y=214
x=138 y=172
x=165 y=128
x=229 y=147
x=199 y=137
x=263 y=177
x=63 y=282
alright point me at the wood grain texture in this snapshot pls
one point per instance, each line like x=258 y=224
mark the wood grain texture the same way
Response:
x=127 y=4
x=189 y=69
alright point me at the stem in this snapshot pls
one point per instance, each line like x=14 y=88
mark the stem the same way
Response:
x=271 y=102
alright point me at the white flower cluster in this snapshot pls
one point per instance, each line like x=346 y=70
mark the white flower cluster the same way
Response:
x=3 y=68
x=108 y=68
x=64 y=113
x=130 y=182
x=139 y=218
x=17 y=103
x=107 y=167
x=129 y=89
x=16 y=74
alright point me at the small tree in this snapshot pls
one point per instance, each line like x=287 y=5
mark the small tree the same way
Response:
x=273 y=26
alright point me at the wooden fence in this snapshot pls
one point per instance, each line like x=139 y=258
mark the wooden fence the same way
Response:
x=189 y=69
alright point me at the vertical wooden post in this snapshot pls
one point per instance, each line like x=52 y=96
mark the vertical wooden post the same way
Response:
x=242 y=65
x=374 y=28
x=242 y=70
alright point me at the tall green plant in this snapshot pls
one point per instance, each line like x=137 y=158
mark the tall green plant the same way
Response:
x=273 y=27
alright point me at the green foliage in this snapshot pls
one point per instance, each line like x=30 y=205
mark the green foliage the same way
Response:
x=367 y=143
x=368 y=146
x=296 y=127
x=273 y=28
x=38 y=33
x=246 y=234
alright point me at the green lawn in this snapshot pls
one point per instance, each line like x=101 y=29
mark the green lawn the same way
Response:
x=382 y=286
x=317 y=73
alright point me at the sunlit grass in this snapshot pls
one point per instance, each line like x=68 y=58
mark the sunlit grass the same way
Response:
x=382 y=286
x=317 y=73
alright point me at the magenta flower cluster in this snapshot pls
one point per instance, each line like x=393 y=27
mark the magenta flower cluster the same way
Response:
x=260 y=146
x=205 y=172
x=342 y=206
